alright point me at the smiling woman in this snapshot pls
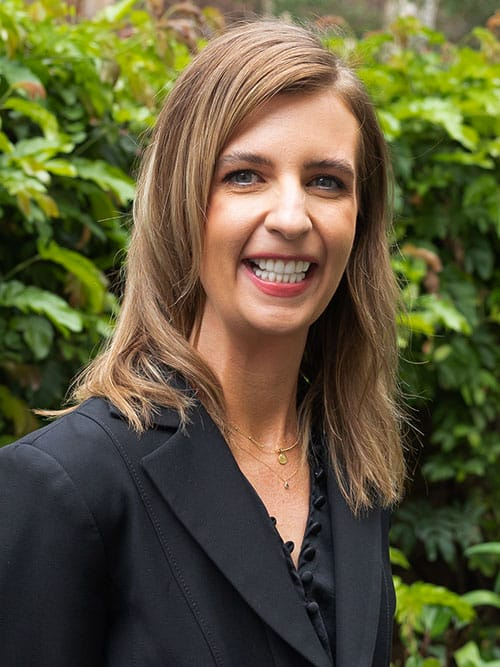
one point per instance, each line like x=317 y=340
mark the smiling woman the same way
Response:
x=283 y=193
x=220 y=493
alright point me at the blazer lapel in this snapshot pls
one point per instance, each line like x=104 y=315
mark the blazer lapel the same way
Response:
x=197 y=475
x=357 y=554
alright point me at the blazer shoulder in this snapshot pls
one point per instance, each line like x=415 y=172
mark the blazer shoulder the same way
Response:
x=92 y=446
x=96 y=454
x=77 y=434
x=90 y=431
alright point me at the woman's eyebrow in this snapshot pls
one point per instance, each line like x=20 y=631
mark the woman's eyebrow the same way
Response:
x=243 y=156
x=235 y=157
x=342 y=166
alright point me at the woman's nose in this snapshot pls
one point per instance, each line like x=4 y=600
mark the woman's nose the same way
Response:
x=288 y=214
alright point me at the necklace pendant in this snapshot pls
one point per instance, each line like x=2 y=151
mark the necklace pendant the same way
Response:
x=282 y=458
x=286 y=484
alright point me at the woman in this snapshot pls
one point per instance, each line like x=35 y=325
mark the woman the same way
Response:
x=220 y=496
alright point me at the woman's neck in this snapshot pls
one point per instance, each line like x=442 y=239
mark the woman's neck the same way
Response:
x=259 y=379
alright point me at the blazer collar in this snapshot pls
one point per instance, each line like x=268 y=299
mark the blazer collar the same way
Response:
x=197 y=475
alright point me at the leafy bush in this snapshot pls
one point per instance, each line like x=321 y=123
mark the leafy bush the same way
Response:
x=439 y=105
x=433 y=620
x=75 y=100
x=440 y=108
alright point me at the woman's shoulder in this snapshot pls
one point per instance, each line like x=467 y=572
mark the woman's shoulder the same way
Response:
x=90 y=443
x=88 y=458
x=70 y=435
x=73 y=447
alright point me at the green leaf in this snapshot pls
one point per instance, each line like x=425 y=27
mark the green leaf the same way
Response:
x=398 y=558
x=412 y=599
x=391 y=126
x=479 y=597
x=43 y=148
x=83 y=268
x=107 y=177
x=441 y=353
x=464 y=158
x=37 y=333
x=27 y=299
x=417 y=322
x=444 y=312
x=117 y=11
x=38 y=114
x=16 y=73
x=61 y=168
x=443 y=112
x=436 y=620
x=5 y=145
x=484 y=548
x=47 y=204
x=469 y=656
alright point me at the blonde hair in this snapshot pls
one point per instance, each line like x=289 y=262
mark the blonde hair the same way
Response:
x=350 y=357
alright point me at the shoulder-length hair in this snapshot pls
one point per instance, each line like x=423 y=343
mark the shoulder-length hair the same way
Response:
x=350 y=357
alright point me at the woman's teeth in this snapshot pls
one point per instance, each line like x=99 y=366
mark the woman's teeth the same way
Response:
x=279 y=270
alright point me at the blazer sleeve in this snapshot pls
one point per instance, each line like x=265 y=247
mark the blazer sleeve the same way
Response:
x=52 y=566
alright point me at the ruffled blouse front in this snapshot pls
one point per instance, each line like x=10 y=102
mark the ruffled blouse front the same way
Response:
x=314 y=575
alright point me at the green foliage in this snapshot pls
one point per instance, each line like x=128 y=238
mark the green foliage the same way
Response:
x=486 y=558
x=428 y=611
x=74 y=99
x=444 y=532
x=430 y=617
x=469 y=656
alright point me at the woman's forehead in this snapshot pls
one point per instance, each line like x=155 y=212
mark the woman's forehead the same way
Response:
x=315 y=120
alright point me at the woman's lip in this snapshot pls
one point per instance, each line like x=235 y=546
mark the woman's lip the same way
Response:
x=275 y=288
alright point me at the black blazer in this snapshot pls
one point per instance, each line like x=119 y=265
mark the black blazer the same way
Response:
x=153 y=550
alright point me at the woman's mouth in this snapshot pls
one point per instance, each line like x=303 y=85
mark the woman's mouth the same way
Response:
x=279 y=270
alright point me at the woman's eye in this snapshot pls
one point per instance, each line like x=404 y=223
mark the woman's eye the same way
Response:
x=327 y=183
x=242 y=177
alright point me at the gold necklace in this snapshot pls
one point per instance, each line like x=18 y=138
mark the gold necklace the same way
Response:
x=283 y=480
x=280 y=451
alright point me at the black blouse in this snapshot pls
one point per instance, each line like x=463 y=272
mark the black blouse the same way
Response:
x=313 y=577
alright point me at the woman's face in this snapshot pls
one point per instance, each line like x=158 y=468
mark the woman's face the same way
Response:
x=281 y=217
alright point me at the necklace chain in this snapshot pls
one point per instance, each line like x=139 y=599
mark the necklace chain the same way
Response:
x=280 y=451
x=284 y=480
